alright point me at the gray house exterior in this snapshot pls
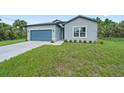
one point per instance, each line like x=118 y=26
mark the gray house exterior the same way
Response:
x=78 y=28
x=44 y=32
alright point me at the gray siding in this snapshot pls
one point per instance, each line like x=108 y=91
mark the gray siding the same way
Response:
x=90 y=26
x=58 y=34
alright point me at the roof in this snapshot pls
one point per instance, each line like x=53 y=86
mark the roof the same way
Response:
x=80 y=16
x=42 y=24
x=56 y=22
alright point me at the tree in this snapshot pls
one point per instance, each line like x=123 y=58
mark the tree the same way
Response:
x=109 y=28
x=4 y=29
x=18 y=26
x=100 y=27
x=14 y=31
x=121 y=29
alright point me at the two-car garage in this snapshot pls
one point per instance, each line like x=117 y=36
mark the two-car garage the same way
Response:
x=44 y=32
x=41 y=35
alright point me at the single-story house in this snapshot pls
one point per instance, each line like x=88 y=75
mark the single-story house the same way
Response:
x=77 y=28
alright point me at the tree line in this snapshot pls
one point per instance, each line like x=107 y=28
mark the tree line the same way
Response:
x=14 y=31
x=109 y=28
x=17 y=30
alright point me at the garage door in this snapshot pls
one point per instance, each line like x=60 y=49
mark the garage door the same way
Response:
x=41 y=35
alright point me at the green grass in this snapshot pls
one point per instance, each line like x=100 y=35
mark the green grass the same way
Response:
x=8 y=42
x=69 y=59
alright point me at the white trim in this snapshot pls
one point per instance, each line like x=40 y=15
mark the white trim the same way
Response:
x=79 y=34
x=42 y=29
x=28 y=35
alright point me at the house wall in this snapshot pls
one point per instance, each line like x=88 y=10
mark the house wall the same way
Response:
x=58 y=33
x=90 y=26
x=52 y=27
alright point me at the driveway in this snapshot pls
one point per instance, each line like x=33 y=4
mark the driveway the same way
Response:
x=6 y=52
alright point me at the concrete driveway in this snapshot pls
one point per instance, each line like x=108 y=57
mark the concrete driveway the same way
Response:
x=6 y=52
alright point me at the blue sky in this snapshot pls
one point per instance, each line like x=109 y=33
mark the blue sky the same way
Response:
x=32 y=19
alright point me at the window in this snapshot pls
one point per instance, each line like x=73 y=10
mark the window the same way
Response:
x=76 y=32
x=82 y=32
x=79 y=31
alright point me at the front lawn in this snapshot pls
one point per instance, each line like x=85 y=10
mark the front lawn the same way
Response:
x=69 y=59
x=8 y=42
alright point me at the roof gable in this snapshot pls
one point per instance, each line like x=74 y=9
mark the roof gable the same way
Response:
x=57 y=22
x=83 y=17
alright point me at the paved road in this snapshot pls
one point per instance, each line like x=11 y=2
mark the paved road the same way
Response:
x=6 y=52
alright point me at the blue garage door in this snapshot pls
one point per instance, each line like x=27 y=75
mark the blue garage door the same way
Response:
x=41 y=35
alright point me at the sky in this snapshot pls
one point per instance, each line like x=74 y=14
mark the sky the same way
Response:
x=34 y=19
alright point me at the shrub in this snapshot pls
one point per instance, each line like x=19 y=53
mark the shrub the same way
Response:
x=90 y=42
x=85 y=41
x=70 y=41
x=65 y=40
x=75 y=41
x=52 y=41
x=80 y=41
x=101 y=42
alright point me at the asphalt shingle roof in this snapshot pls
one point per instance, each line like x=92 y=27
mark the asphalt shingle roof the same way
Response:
x=56 y=22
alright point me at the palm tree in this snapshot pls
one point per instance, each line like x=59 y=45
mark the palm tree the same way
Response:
x=19 y=24
x=18 y=27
